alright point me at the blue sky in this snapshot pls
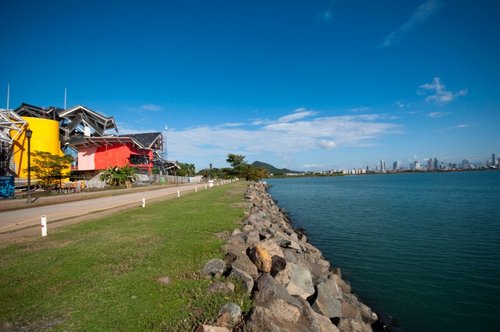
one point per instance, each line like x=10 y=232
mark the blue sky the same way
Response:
x=300 y=84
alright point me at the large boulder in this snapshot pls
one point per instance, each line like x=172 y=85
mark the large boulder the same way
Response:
x=328 y=299
x=261 y=258
x=244 y=263
x=268 y=288
x=297 y=280
x=214 y=267
x=244 y=277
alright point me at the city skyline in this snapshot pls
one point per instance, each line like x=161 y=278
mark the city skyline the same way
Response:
x=304 y=86
x=426 y=164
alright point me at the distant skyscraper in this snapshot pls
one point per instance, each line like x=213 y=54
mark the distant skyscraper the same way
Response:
x=436 y=164
x=396 y=166
x=382 y=166
x=465 y=164
x=493 y=160
x=430 y=165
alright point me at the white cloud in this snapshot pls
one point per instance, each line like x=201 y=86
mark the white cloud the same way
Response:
x=421 y=14
x=438 y=92
x=151 y=107
x=326 y=144
x=460 y=126
x=436 y=115
x=280 y=137
x=233 y=124
x=313 y=166
x=401 y=104
x=298 y=114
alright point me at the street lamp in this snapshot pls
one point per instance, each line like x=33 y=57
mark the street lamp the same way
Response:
x=29 y=133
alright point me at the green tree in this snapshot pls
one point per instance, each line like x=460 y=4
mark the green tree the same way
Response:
x=186 y=169
x=237 y=161
x=243 y=170
x=49 y=168
x=119 y=175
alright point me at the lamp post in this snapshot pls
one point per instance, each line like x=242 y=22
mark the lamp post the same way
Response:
x=29 y=133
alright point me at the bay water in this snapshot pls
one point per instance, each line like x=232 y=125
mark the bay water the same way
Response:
x=423 y=248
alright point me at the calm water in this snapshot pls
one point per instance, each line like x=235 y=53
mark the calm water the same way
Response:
x=423 y=248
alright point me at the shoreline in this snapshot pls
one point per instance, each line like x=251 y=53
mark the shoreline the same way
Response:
x=292 y=286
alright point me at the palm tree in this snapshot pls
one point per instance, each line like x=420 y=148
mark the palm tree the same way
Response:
x=119 y=175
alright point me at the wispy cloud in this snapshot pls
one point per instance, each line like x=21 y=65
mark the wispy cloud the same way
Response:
x=401 y=105
x=325 y=16
x=460 y=126
x=313 y=166
x=151 y=107
x=298 y=132
x=298 y=114
x=438 y=93
x=360 y=109
x=233 y=124
x=421 y=14
x=436 y=115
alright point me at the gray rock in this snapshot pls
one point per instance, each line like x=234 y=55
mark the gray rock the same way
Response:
x=325 y=324
x=319 y=268
x=229 y=315
x=244 y=277
x=244 y=263
x=214 y=267
x=262 y=319
x=268 y=289
x=297 y=280
x=252 y=238
x=328 y=299
x=368 y=316
x=350 y=325
x=344 y=286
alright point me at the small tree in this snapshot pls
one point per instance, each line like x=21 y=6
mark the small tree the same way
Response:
x=119 y=175
x=244 y=170
x=237 y=161
x=49 y=168
x=186 y=169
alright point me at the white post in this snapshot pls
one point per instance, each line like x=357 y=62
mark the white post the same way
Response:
x=205 y=187
x=143 y=202
x=195 y=189
x=178 y=193
x=43 y=224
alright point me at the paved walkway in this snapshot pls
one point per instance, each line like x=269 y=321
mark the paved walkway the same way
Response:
x=21 y=220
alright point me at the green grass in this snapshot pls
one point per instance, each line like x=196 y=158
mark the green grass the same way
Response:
x=102 y=275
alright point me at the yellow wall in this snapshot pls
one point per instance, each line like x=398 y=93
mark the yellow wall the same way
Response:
x=45 y=138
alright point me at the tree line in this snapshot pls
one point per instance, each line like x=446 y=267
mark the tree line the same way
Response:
x=50 y=169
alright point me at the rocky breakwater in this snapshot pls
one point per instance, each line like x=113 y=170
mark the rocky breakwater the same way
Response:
x=293 y=288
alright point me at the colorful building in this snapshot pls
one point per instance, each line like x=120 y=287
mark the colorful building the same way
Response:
x=81 y=132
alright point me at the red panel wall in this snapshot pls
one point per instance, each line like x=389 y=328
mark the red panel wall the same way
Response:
x=118 y=155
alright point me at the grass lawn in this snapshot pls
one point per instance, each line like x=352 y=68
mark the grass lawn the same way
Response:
x=102 y=275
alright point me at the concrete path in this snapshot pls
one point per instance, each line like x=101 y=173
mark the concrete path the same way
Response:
x=15 y=221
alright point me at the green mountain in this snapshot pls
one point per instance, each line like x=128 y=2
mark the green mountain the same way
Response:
x=271 y=169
